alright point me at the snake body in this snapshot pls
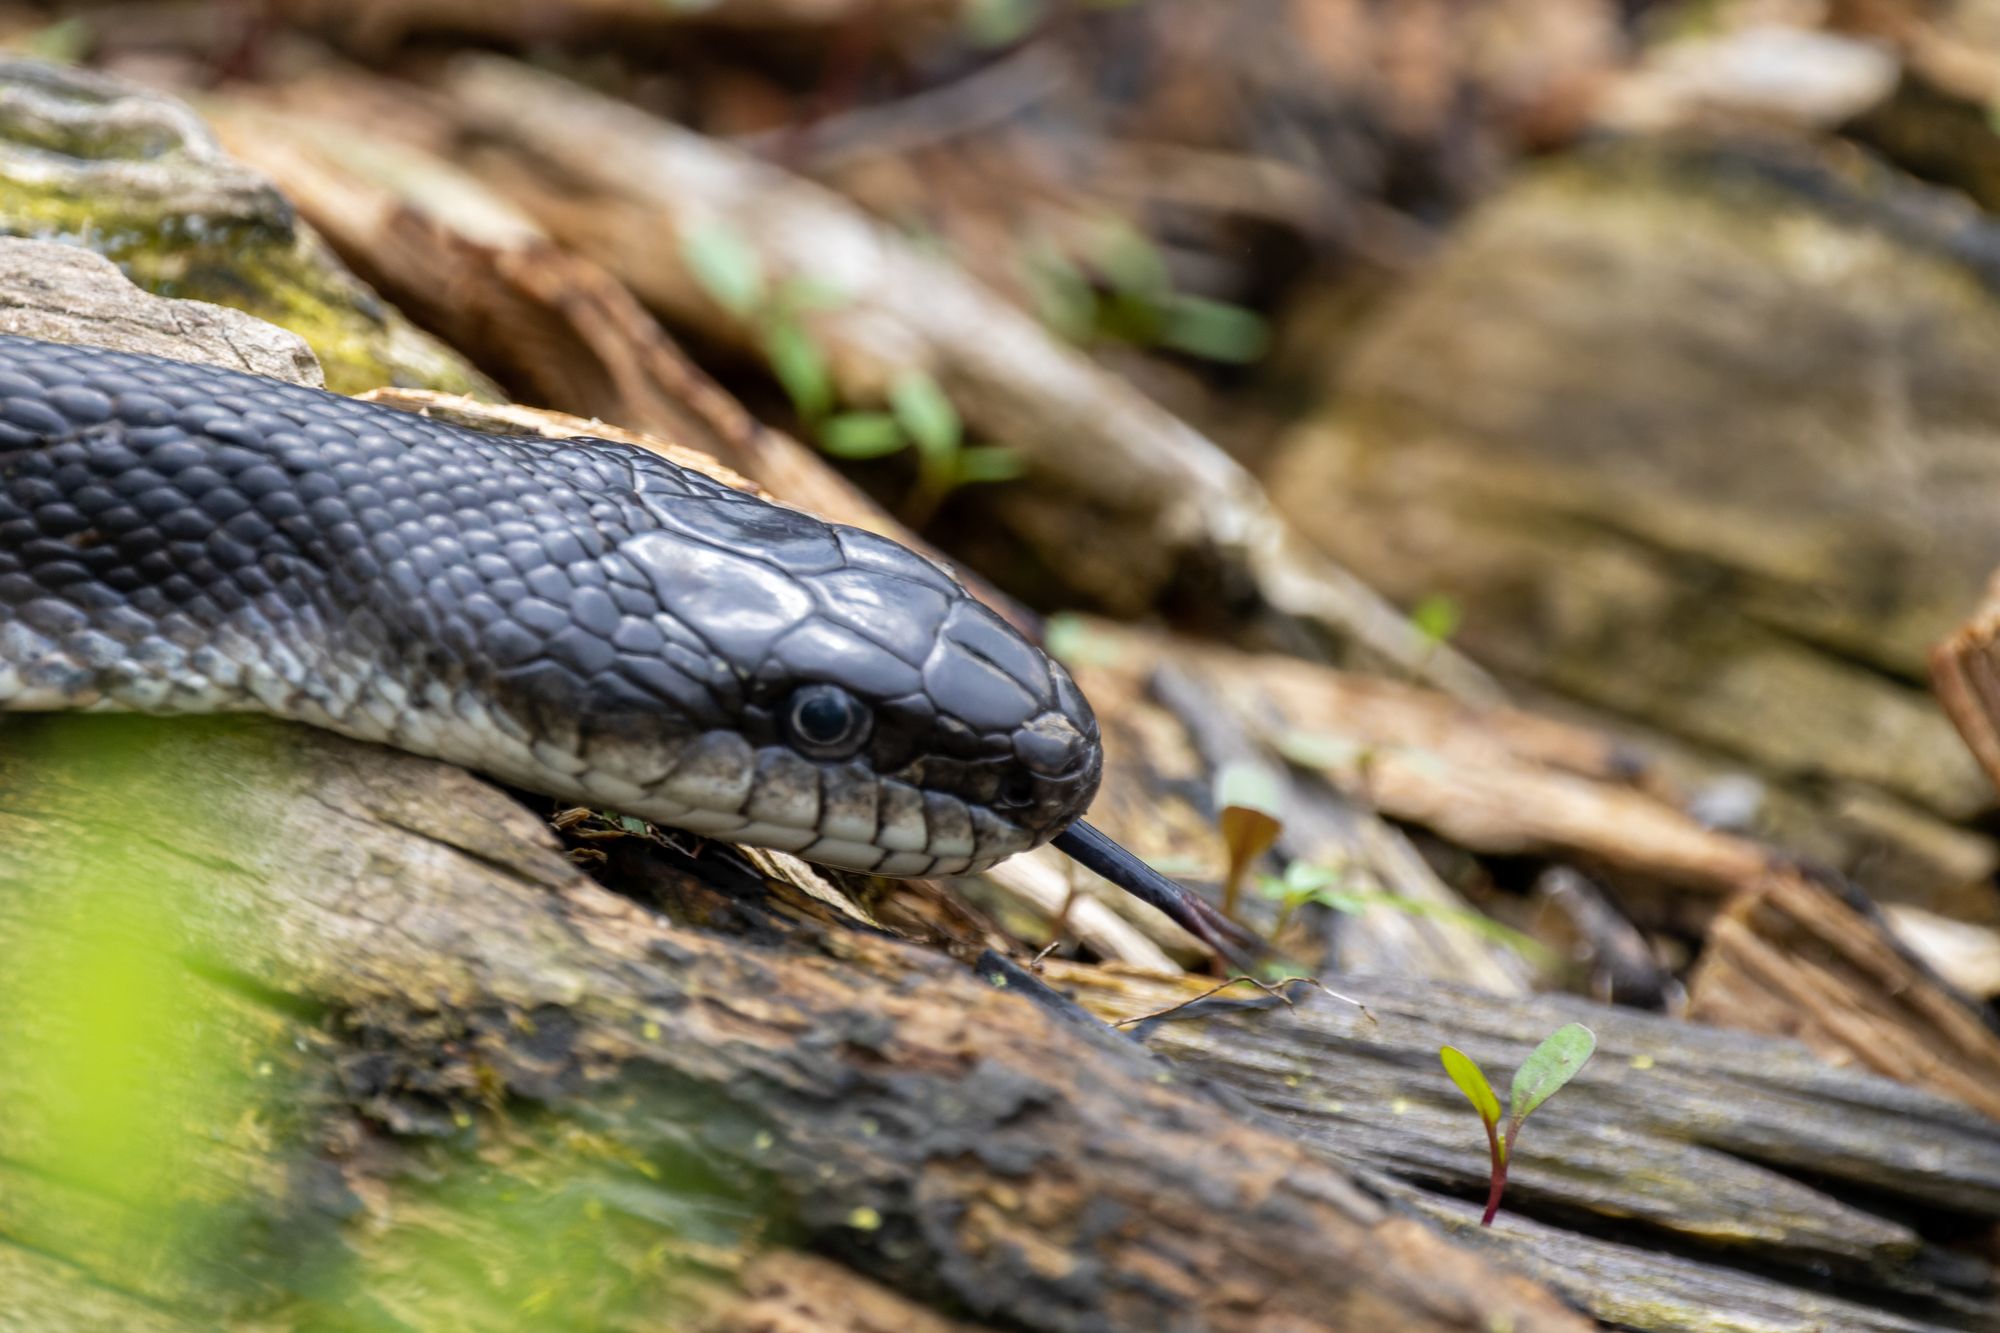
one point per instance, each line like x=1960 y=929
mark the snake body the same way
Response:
x=576 y=617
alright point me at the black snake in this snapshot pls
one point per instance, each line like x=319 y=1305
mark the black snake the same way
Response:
x=578 y=617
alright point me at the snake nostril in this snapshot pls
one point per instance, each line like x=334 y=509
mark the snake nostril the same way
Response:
x=1049 y=745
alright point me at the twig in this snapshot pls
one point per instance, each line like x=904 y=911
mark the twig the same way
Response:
x=1275 y=989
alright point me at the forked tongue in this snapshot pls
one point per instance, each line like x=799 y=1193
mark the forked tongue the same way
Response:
x=1192 y=913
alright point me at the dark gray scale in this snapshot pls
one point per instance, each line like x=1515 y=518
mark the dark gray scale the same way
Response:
x=175 y=537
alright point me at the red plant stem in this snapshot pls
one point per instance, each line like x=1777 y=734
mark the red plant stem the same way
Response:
x=1499 y=1154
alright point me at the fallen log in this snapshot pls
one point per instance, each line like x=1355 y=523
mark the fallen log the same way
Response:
x=103 y=164
x=301 y=1029
x=439 y=989
x=1688 y=1178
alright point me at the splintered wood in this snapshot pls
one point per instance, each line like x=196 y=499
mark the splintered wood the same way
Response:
x=1791 y=957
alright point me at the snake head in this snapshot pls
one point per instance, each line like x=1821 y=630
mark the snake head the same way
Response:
x=580 y=617
x=786 y=682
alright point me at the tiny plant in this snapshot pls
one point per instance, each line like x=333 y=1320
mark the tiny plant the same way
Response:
x=1436 y=618
x=1303 y=883
x=1248 y=797
x=1118 y=288
x=919 y=414
x=1347 y=888
x=1551 y=1064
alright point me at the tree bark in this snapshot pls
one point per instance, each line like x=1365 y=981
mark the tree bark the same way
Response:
x=412 y=948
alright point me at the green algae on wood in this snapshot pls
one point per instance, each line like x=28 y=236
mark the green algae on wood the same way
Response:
x=96 y=162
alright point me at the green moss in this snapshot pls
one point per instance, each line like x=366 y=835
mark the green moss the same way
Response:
x=264 y=266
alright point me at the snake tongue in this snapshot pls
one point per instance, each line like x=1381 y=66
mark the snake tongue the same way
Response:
x=1095 y=851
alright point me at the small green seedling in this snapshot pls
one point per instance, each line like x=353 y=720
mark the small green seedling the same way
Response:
x=1248 y=800
x=918 y=414
x=1552 y=1064
x=1436 y=618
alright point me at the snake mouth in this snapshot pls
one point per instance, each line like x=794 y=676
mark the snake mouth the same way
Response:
x=945 y=852
x=840 y=814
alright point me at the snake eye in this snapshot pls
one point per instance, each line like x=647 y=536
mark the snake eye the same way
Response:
x=1016 y=791
x=827 y=722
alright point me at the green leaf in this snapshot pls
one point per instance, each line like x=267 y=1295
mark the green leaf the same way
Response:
x=1062 y=295
x=1314 y=749
x=1000 y=22
x=862 y=435
x=1436 y=617
x=801 y=293
x=988 y=463
x=1131 y=262
x=1553 y=1063
x=1306 y=878
x=725 y=266
x=64 y=42
x=1341 y=897
x=1213 y=330
x=1471 y=1081
x=801 y=368
x=1349 y=902
x=1252 y=785
x=927 y=414
x=1072 y=638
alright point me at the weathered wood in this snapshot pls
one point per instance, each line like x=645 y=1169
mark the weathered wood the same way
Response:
x=1965 y=671
x=101 y=163
x=1791 y=957
x=788 y=1292
x=1494 y=779
x=62 y=294
x=1577 y=425
x=1652 y=1287
x=439 y=970
x=1685 y=1170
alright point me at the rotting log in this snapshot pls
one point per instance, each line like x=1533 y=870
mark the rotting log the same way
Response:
x=1791 y=956
x=438 y=988
x=1689 y=1178
x=392 y=1055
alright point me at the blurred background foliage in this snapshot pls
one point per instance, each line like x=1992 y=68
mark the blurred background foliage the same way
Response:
x=1638 y=350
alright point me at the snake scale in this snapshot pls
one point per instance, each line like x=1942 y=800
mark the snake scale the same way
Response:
x=577 y=617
